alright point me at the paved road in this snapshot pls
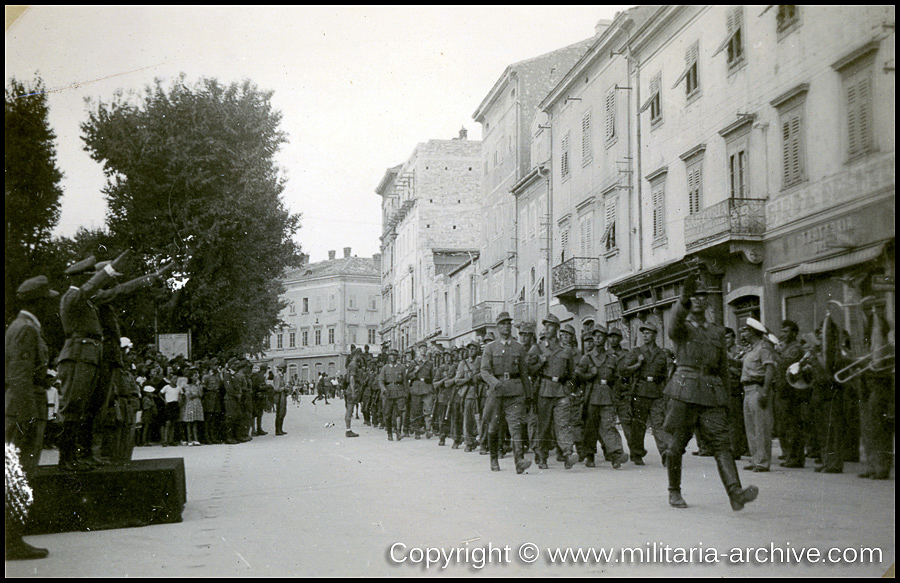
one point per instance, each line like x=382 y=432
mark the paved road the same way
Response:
x=314 y=503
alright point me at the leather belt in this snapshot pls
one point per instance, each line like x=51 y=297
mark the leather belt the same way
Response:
x=96 y=337
x=554 y=379
x=508 y=376
x=759 y=382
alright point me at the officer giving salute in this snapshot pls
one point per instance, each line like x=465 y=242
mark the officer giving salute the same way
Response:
x=697 y=394
x=503 y=369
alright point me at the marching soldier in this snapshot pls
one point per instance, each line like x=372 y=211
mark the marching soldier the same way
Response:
x=421 y=392
x=503 y=369
x=555 y=367
x=392 y=382
x=648 y=367
x=598 y=368
x=444 y=385
x=468 y=375
x=697 y=394
x=529 y=429
x=354 y=389
x=621 y=385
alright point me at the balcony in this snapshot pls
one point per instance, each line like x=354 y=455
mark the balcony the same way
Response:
x=576 y=275
x=485 y=313
x=733 y=219
x=525 y=312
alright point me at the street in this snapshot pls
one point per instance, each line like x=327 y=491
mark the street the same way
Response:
x=314 y=503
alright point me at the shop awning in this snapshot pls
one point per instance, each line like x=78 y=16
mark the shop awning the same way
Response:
x=829 y=264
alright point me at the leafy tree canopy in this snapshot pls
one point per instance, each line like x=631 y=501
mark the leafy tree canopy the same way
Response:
x=32 y=183
x=191 y=177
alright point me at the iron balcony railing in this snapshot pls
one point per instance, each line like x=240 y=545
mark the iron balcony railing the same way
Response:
x=576 y=274
x=731 y=219
x=525 y=312
x=485 y=313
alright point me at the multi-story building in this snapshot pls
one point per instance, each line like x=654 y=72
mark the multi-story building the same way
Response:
x=764 y=151
x=507 y=114
x=430 y=209
x=331 y=306
x=589 y=115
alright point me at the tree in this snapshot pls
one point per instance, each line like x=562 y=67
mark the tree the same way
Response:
x=32 y=183
x=191 y=177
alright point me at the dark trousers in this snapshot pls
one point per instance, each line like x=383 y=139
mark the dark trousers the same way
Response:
x=555 y=410
x=280 y=410
x=793 y=428
x=512 y=410
x=739 y=445
x=601 y=425
x=652 y=410
x=394 y=409
x=29 y=438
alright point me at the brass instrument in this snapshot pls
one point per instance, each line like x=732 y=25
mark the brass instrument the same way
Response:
x=880 y=360
x=794 y=373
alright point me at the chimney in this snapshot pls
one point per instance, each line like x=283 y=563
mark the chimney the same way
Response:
x=463 y=133
x=346 y=252
x=377 y=259
x=331 y=255
x=601 y=26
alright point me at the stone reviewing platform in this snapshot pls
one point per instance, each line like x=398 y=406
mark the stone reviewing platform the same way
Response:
x=135 y=493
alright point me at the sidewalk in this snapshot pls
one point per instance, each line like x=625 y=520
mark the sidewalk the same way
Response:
x=314 y=503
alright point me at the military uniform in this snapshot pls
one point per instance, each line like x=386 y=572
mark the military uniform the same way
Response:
x=468 y=377
x=421 y=396
x=698 y=395
x=598 y=368
x=758 y=419
x=649 y=380
x=503 y=369
x=554 y=400
x=790 y=408
x=392 y=382
x=26 y=387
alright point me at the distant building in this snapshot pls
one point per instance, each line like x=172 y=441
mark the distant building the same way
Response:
x=332 y=305
x=430 y=209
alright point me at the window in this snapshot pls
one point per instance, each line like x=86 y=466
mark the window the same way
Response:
x=654 y=103
x=305 y=305
x=586 y=150
x=791 y=146
x=304 y=337
x=737 y=173
x=456 y=301
x=292 y=340
x=279 y=341
x=292 y=308
x=564 y=241
x=858 y=99
x=330 y=335
x=319 y=337
x=373 y=303
x=372 y=339
x=587 y=235
x=611 y=114
x=695 y=186
x=787 y=17
x=352 y=303
x=658 y=197
x=609 y=230
x=564 y=156
x=351 y=333
x=733 y=45
x=267 y=342
x=690 y=75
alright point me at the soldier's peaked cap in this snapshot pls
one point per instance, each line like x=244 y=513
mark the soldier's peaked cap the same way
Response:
x=82 y=266
x=600 y=330
x=550 y=318
x=649 y=326
x=569 y=329
x=35 y=288
x=527 y=327
x=503 y=317
x=615 y=332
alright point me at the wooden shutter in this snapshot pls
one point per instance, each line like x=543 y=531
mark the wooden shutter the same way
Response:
x=611 y=114
x=586 y=137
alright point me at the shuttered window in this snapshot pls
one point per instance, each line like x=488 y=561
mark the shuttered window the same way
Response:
x=655 y=98
x=659 y=211
x=586 y=149
x=735 y=23
x=792 y=147
x=695 y=186
x=609 y=231
x=564 y=156
x=611 y=114
x=858 y=92
x=587 y=235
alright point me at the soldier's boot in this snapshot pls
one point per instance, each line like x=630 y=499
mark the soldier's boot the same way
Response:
x=68 y=449
x=728 y=473
x=540 y=458
x=673 y=466
x=522 y=464
x=494 y=447
x=590 y=461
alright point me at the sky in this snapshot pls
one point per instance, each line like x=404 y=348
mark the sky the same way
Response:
x=358 y=87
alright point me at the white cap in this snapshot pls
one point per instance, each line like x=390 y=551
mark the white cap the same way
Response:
x=125 y=342
x=756 y=325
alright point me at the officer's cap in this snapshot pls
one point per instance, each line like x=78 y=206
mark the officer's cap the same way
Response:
x=551 y=318
x=756 y=325
x=649 y=326
x=82 y=266
x=35 y=288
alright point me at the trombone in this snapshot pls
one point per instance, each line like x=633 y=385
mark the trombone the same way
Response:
x=879 y=360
